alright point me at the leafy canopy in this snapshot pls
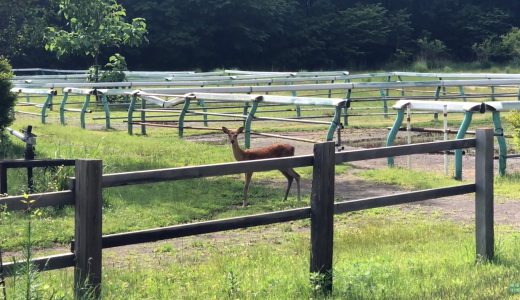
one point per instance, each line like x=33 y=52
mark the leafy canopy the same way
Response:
x=93 y=25
x=7 y=98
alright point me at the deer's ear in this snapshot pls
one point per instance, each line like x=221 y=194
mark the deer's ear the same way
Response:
x=225 y=130
x=240 y=130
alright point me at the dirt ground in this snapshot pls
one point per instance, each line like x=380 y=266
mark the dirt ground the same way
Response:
x=349 y=187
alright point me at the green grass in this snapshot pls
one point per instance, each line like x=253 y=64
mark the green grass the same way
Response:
x=143 y=206
x=378 y=254
x=507 y=186
x=409 y=179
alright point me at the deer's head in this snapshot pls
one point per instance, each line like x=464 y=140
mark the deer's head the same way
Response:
x=233 y=135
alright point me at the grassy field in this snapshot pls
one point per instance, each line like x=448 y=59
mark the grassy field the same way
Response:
x=379 y=254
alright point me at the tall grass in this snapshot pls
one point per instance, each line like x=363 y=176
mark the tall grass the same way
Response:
x=378 y=254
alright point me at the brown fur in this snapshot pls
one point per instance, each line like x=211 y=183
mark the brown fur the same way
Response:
x=273 y=151
x=276 y=150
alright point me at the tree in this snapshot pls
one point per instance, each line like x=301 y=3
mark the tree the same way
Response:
x=94 y=25
x=7 y=99
x=22 y=23
x=511 y=42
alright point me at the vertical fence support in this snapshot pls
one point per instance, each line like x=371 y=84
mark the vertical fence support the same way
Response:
x=143 y=116
x=345 y=109
x=385 y=102
x=46 y=104
x=436 y=97
x=62 y=107
x=484 y=194
x=393 y=133
x=87 y=238
x=468 y=116
x=322 y=214
x=202 y=104
x=131 y=108
x=84 y=109
x=249 y=120
x=182 y=116
x=106 y=108
x=3 y=179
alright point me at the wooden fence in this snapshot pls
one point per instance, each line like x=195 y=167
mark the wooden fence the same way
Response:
x=89 y=182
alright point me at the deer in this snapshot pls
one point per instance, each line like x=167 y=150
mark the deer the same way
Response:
x=272 y=151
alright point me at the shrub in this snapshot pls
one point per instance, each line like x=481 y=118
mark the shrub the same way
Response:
x=433 y=51
x=114 y=70
x=514 y=120
x=7 y=99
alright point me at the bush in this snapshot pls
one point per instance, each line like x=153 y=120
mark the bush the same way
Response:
x=511 y=42
x=514 y=120
x=114 y=70
x=433 y=52
x=7 y=99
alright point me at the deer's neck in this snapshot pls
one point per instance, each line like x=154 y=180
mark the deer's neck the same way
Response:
x=238 y=153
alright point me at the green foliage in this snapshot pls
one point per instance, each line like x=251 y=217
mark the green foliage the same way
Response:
x=249 y=34
x=7 y=99
x=514 y=120
x=433 y=51
x=93 y=25
x=511 y=42
x=114 y=70
x=21 y=27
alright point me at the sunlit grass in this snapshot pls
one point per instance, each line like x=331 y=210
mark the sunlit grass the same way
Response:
x=379 y=254
x=505 y=186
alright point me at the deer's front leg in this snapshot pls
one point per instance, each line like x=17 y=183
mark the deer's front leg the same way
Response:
x=246 y=188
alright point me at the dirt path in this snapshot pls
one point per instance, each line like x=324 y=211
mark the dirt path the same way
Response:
x=349 y=187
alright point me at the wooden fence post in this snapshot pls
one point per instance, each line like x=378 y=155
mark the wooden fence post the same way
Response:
x=3 y=179
x=322 y=214
x=87 y=238
x=484 y=194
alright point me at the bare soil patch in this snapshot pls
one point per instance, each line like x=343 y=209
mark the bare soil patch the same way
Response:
x=349 y=187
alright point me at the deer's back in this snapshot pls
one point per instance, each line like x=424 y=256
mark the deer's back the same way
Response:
x=276 y=150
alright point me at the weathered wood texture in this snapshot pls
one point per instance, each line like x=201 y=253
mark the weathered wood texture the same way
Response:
x=141 y=177
x=89 y=181
x=47 y=263
x=403 y=150
x=409 y=197
x=151 y=235
x=88 y=219
x=484 y=194
x=322 y=213
x=36 y=163
x=41 y=200
x=33 y=163
x=3 y=179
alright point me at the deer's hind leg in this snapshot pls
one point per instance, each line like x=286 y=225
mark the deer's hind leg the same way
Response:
x=248 y=177
x=289 y=182
x=296 y=176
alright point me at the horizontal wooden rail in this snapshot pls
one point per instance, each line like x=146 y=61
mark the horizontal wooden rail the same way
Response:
x=40 y=200
x=401 y=198
x=36 y=163
x=151 y=235
x=151 y=176
x=141 y=177
x=404 y=150
x=46 y=263
x=156 y=234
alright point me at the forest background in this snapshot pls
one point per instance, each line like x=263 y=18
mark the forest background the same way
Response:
x=286 y=34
